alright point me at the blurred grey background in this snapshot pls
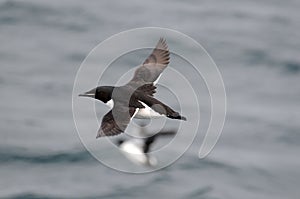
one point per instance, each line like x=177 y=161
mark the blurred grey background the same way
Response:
x=255 y=45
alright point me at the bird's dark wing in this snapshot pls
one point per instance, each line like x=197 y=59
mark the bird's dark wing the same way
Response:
x=116 y=120
x=161 y=108
x=147 y=89
x=153 y=66
x=150 y=140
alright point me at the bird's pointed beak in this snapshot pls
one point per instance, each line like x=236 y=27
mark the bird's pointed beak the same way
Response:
x=90 y=93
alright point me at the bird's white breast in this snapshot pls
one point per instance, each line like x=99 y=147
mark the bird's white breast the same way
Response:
x=147 y=112
x=110 y=103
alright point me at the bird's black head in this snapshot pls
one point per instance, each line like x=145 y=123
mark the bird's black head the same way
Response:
x=102 y=93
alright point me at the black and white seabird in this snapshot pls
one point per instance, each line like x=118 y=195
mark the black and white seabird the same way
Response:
x=135 y=99
x=137 y=149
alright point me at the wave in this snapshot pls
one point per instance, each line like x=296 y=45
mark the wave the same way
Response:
x=261 y=57
x=38 y=196
x=21 y=12
x=30 y=196
x=13 y=12
x=194 y=163
x=291 y=66
x=10 y=157
x=200 y=193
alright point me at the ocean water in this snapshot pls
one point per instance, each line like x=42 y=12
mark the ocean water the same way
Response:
x=256 y=46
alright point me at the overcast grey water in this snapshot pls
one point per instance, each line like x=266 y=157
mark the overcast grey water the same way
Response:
x=256 y=46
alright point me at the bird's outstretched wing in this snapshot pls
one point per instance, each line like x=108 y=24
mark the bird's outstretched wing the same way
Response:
x=116 y=120
x=150 y=140
x=153 y=66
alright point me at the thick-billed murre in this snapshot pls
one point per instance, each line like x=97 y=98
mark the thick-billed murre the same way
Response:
x=135 y=99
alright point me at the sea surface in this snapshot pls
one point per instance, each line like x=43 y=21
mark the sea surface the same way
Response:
x=256 y=46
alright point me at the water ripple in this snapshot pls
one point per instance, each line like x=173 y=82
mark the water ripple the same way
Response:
x=9 y=157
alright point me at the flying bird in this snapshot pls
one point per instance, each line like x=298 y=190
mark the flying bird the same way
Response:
x=136 y=98
x=137 y=149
